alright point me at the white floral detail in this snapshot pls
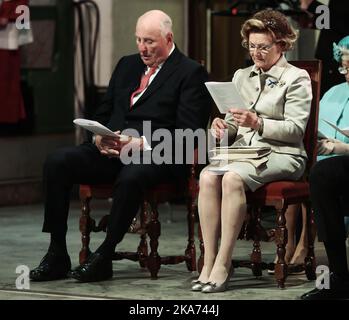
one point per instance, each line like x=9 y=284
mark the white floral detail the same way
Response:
x=281 y=83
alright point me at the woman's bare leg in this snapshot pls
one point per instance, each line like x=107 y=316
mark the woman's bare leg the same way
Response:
x=209 y=204
x=291 y=216
x=233 y=215
x=301 y=249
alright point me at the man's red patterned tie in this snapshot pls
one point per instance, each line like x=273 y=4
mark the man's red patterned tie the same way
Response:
x=144 y=83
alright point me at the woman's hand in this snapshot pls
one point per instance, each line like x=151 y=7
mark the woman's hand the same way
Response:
x=340 y=147
x=218 y=126
x=324 y=147
x=332 y=146
x=245 y=118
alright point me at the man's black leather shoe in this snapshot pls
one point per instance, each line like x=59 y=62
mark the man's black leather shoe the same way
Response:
x=96 y=268
x=51 y=267
x=338 y=290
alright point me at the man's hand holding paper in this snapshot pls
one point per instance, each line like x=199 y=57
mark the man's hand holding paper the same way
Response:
x=113 y=146
x=97 y=128
x=108 y=142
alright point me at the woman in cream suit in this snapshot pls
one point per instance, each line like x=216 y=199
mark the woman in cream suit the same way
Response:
x=278 y=97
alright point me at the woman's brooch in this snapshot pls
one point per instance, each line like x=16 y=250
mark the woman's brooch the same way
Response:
x=272 y=83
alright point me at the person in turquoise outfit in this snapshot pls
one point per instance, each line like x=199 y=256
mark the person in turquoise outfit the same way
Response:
x=328 y=183
x=334 y=107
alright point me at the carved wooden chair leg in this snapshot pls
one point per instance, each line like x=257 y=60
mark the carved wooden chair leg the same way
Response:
x=310 y=262
x=190 y=251
x=202 y=250
x=281 y=241
x=154 y=231
x=143 y=245
x=85 y=229
x=256 y=256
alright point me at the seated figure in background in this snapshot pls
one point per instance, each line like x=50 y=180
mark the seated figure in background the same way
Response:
x=334 y=107
x=328 y=185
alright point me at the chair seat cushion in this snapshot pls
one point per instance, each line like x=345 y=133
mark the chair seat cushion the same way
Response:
x=288 y=191
x=101 y=191
x=160 y=193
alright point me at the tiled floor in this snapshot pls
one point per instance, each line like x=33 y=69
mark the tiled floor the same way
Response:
x=23 y=243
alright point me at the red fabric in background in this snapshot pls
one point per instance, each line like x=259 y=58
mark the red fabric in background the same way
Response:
x=11 y=100
x=8 y=9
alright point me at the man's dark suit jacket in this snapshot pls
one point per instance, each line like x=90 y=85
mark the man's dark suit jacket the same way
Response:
x=176 y=99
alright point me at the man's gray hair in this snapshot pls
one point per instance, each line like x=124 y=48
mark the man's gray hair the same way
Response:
x=165 y=21
x=166 y=25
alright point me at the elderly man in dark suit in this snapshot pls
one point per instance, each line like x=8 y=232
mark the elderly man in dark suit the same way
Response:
x=159 y=85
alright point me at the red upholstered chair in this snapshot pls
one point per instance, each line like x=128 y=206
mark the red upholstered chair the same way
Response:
x=147 y=225
x=280 y=195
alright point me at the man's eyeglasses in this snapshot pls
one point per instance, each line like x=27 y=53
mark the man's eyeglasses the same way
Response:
x=343 y=70
x=263 y=48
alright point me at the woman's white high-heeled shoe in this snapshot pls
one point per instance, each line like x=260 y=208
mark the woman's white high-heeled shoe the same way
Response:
x=197 y=285
x=211 y=287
